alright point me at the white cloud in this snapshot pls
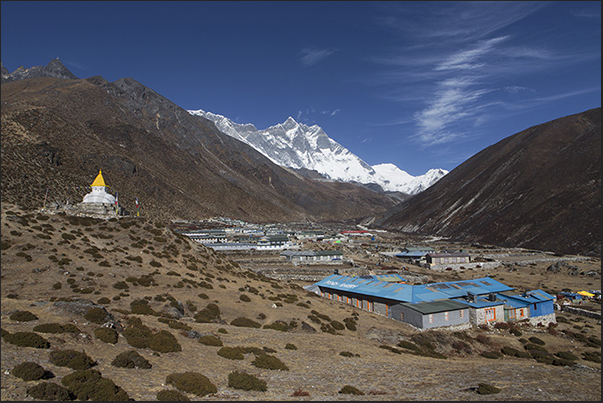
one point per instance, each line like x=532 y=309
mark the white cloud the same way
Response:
x=311 y=56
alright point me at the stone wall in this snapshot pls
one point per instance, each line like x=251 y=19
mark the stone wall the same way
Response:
x=582 y=312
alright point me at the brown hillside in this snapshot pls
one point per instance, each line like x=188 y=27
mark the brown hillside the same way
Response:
x=57 y=134
x=59 y=268
x=540 y=188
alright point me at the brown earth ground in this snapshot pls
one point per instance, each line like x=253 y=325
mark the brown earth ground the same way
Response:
x=29 y=240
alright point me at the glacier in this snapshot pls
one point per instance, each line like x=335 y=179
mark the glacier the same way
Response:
x=295 y=145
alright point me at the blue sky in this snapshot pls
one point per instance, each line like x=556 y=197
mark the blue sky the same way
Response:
x=418 y=84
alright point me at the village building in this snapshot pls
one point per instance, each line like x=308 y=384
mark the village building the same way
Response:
x=313 y=257
x=451 y=304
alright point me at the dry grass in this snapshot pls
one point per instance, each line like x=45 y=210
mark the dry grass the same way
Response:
x=316 y=367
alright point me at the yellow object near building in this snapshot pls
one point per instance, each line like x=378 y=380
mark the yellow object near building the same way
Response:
x=586 y=294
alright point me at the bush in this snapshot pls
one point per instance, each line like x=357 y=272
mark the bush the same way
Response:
x=269 y=362
x=50 y=391
x=241 y=380
x=337 y=325
x=23 y=316
x=49 y=328
x=492 y=354
x=210 y=340
x=566 y=355
x=536 y=340
x=131 y=359
x=28 y=371
x=208 y=314
x=141 y=307
x=290 y=346
x=104 y=301
x=106 y=334
x=245 y=322
x=90 y=385
x=191 y=382
x=486 y=389
x=278 y=325
x=72 y=359
x=350 y=390
x=244 y=298
x=515 y=332
x=408 y=345
x=171 y=396
x=593 y=356
x=164 y=342
x=96 y=315
x=232 y=353
x=26 y=339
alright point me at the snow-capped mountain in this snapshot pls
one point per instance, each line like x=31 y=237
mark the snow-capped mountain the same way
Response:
x=296 y=145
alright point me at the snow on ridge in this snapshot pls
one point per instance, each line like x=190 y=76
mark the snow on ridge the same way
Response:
x=296 y=145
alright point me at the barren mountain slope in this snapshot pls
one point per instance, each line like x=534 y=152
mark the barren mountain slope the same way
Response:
x=540 y=188
x=57 y=134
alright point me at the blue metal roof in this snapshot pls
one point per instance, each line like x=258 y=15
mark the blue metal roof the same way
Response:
x=413 y=293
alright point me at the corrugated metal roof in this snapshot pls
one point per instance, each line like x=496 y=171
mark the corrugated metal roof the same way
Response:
x=414 y=293
x=445 y=305
x=416 y=254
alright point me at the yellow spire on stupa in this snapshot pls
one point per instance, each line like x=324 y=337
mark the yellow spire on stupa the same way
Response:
x=99 y=181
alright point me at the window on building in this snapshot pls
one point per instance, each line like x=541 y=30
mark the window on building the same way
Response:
x=461 y=314
x=512 y=314
x=445 y=315
x=490 y=314
x=430 y=318
x=535 y=307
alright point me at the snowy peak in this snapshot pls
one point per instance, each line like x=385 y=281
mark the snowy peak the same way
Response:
x=295 y=145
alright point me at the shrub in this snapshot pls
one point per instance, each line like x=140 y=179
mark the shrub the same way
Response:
x=492 y=354
x=222 y=330
x=486 y=389
x=337 y=325
x=515 y=332
x=28 y=371
x=245 y=322
x=536 y=340
x=50 y=391
x=131 y=359
x=290 y=346
x=232 y=353
x=241 y=380
x=49 y=328
x=106 y=334
x=269 y=362
x=72 y=359
x=23 y=316
x=121 y=285
x=350 y=390
x=96 y=315
x=90 y=385
x=593 y=356
x=208 y=314
x=191 y=382
x=510 y=351
x=210 y=340
x=26 y=339
x=164 y=342
x=244 y=298
x=566 y=355
x=141 y=307
x=278 y=325
x=57 y=285
x=171 y=396
x=347 y=354
x=408 y=345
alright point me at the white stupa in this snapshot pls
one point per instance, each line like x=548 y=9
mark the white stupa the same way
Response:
x=99 y=193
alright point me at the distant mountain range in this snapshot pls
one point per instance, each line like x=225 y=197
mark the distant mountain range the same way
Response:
x=295 y=145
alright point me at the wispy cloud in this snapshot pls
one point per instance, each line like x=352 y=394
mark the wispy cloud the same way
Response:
x=311 y=56
x=330 y=113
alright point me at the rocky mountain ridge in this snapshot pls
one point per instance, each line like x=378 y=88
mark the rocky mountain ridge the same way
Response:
x=298 y=146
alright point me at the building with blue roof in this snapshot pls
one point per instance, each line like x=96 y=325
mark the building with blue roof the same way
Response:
x=451 y=303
